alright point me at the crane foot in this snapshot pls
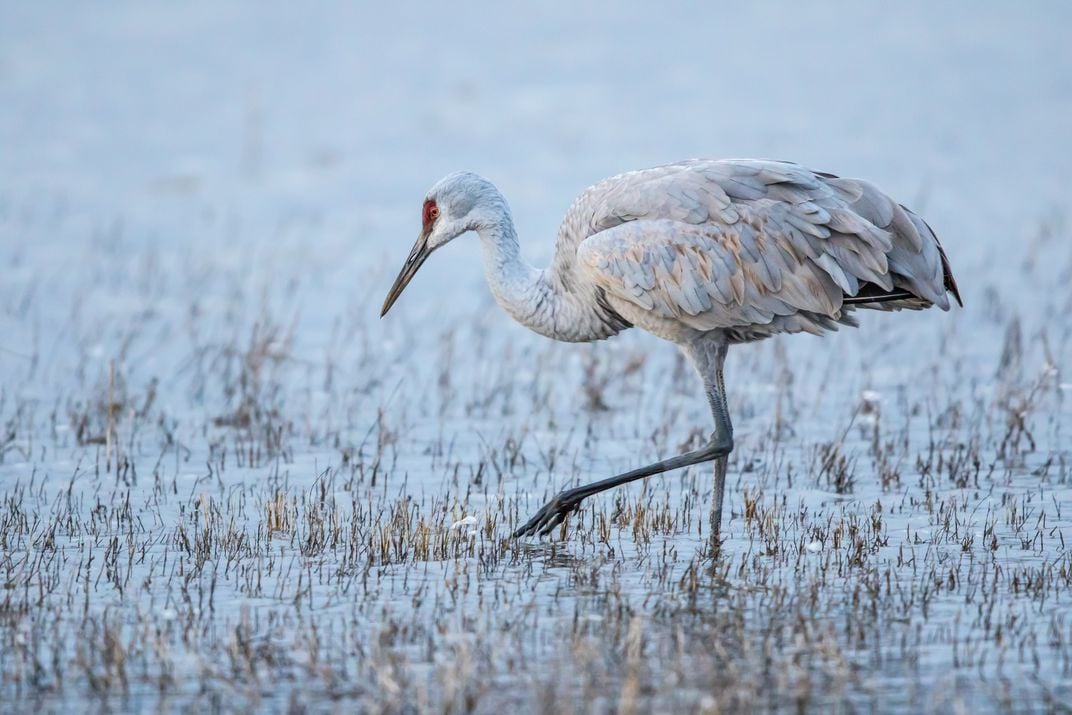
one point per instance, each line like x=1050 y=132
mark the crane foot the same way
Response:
x=551 y=515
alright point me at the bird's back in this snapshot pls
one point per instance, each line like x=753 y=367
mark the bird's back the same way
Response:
x=750 y=247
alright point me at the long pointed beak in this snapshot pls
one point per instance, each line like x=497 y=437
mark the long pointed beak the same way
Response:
x=417 y=257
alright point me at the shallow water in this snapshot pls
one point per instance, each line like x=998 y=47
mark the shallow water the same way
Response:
x=227 y=484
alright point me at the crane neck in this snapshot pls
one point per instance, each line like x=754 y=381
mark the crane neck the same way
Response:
x=508 y=275
x=553 y=302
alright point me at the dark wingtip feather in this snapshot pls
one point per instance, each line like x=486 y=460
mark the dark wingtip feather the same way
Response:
x=870 y=293
x=950 y=281
x=947 y=271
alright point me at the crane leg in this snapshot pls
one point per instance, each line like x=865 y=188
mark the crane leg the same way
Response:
x=709 y=364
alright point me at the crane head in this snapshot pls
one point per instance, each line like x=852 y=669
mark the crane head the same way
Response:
x=458 y=203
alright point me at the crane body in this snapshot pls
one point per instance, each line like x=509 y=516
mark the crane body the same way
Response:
x=703 y=253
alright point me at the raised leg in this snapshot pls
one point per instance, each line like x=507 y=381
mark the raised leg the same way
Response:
x=708 y=359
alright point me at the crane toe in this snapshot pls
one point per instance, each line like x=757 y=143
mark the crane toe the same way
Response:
x=551 y=515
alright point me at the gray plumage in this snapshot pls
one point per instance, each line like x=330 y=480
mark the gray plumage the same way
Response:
x=702 y=253
x=750 y=248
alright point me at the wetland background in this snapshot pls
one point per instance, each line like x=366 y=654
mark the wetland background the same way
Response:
x=225 y=484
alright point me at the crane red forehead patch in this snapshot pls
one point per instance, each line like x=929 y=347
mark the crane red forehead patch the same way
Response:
x=431 y=212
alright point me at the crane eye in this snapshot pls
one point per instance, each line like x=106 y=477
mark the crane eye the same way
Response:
x=433 y=213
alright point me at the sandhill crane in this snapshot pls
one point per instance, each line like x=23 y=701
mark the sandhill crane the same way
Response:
x=704 y=254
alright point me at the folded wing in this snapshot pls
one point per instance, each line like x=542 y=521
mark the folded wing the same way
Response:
x=731 y=244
